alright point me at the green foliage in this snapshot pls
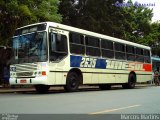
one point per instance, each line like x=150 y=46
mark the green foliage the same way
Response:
x=103 y=16
x=137 y=23
x=16 y=13
x=95 y=15
x=153 y=38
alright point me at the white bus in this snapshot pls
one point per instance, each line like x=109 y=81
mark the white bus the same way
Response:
x=48 y=53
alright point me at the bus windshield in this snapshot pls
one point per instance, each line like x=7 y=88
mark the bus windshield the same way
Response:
x=30 y=47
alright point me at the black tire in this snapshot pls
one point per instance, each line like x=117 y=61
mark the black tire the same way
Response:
x=42 y=88
x=72 y=82
x=131 y=82
x=105 y=87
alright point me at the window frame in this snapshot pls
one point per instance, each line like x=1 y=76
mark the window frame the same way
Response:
x=117 y=51
x=107 y=49
x=71 y=44
x=97 y=47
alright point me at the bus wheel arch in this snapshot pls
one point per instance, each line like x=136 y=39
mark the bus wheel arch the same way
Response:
x=132 y=79
x=73 y=80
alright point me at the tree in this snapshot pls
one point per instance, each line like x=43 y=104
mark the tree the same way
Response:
x=137 y=23
x=95 y=15
x=16 y=13
x=153 y=38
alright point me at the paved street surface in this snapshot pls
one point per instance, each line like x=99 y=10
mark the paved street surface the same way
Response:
x=92 y=102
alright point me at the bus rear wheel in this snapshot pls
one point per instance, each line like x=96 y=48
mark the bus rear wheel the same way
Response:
x=131 y=82
x=42 y=88
x=72 y=82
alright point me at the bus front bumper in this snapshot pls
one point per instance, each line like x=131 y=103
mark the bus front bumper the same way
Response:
x=28 y=81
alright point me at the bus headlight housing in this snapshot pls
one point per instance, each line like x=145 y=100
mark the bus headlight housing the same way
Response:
x=40 y=73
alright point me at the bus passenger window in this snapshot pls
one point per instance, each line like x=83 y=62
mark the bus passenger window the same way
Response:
x=147 y=57
x=92 y=46
x=58 y=46
x=76 y=43
x=120 y=51
x=107 y=48
x=130 y=51
x=139 y=55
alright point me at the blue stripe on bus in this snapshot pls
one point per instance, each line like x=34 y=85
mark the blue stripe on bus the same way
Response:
x=87 y=62
x=75 y=61
x=101 y=63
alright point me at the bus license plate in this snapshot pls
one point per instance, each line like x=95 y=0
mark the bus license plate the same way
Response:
x=23 y=81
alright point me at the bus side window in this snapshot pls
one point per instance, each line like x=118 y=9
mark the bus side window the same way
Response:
x=147 y=58
x=139 y=55
x=120 y=51
x=76 y=43
x=61 y=43
x=107 y=48
x=58 y=46
x=130 y=52
x=92 y=46
x=58 y=42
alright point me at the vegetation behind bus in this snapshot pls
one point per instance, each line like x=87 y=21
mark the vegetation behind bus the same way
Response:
x=17 y=13
x=129 y=23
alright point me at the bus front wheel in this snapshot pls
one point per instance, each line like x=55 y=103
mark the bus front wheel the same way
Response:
x=72 y=82
x=42 y=88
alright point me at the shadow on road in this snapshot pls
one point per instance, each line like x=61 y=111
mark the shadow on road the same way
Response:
x=54 y=90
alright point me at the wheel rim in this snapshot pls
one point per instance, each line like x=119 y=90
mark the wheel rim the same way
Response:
x=73 y=81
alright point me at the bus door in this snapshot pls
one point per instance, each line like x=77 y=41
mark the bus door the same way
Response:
x=58 y=54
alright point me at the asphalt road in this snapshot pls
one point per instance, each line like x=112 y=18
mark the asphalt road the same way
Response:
x=91 y=102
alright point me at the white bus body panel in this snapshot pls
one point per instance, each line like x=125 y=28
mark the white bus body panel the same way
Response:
x=56 y=72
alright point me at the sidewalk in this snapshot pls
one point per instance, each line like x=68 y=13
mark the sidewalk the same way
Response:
x=13 y=90
x=32 y=89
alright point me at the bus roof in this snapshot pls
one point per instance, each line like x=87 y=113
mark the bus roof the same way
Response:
x=85 y=32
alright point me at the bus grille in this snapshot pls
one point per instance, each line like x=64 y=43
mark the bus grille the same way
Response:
x=24 y=74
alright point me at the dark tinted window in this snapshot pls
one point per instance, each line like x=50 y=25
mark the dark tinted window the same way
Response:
x=146 y=53
x=93 y=51
x=62 y=43
x=119 y=51
x=131 y=57
x=92 y=41
x=120 y=55
x=147 y=58
x=107 y=48
x=58 y=46
x=130 y=49
x=107 y=53
x=139 y=55
x=139 y=51
x=92 y=46
x=119 y=47
x=77 y=43
x=107 y=44
x=76 y=38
